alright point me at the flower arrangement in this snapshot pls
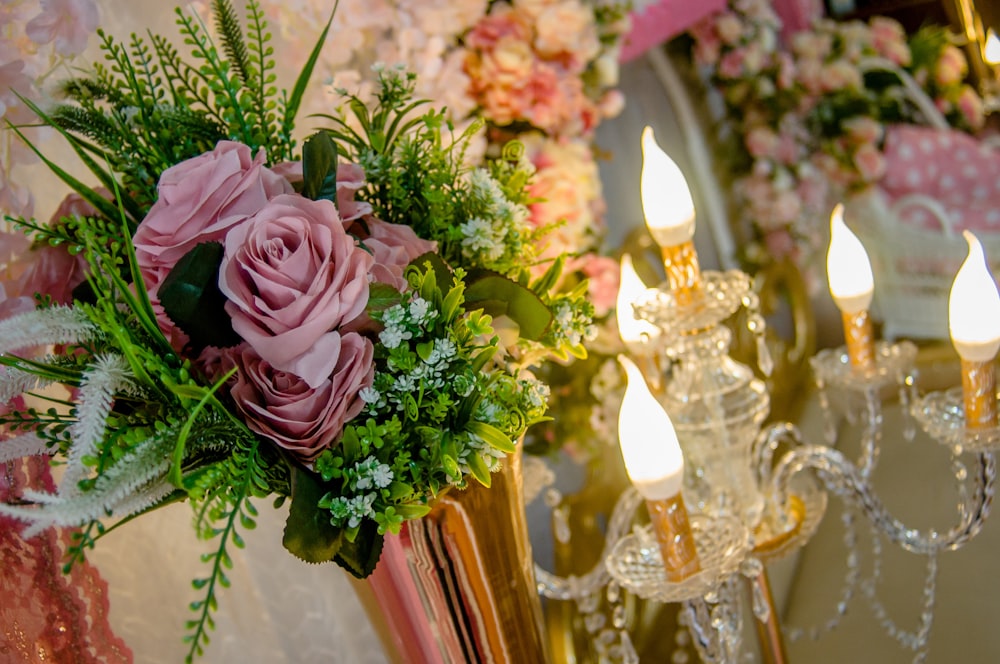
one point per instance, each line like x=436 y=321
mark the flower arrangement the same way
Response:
x=810 y=116
x=349 y=326
x=541 y=72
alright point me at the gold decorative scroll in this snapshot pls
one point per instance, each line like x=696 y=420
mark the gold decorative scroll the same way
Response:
x=673 y=532
x=680 y=261
x=860 y=339
x=979 y=391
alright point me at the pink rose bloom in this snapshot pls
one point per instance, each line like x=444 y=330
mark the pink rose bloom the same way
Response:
x=293 y=275
x=302 y=418
x=869 y=162
x=731 y=64
x=12 y=304
x=393 y=247
x=504 y=24
x=841 y=74
x=729 y=27
x=200 y=199
x=53 y=271
x=970 y=105
x=603 y=275
x=350 y=178
x=863 y=129
x=951 y=67
x=567 y=31
x=761 y=142
x=66 y=23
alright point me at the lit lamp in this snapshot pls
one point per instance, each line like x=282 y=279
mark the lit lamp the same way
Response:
x=669 y=211
x=974 y=324
x=851 y=283
x=991 y=50
x=655 y=465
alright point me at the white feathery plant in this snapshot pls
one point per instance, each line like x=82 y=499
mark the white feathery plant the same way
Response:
x=107 y=375
x=26 y=445
x=130 y=485
x=43 y=327
x=14 y=382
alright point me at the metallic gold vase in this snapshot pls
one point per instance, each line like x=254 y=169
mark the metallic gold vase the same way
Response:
x=458 y=585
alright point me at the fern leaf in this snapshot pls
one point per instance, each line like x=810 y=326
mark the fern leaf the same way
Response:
x=231 y=33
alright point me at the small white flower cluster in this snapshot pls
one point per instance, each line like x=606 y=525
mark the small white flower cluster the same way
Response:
x=476 y=445
x=535 y=391
x=497 y=223
x=400 y=321
x=573 y=327
x=366 y=475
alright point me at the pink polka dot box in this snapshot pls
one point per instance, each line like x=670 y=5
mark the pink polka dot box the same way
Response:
x=938 y=183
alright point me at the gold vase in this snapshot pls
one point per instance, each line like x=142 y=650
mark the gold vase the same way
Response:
x=459 y=584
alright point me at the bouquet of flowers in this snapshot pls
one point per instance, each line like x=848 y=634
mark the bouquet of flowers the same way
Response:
x=348 y=327
x=809 y=117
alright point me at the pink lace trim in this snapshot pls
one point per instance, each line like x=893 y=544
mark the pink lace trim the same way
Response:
x=46 y=616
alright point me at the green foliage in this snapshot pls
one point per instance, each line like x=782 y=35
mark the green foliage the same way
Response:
x=148 y=106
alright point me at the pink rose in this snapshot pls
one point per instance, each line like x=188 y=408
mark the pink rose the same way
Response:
x=603 y=276
x=761 y=142
x=53 y=271
x=200 y=199
x=951 y=67
x=970 y=104
x=293 y=275
x=869 y=162
x=393 y=247
x=302 y=418
x=350 y=178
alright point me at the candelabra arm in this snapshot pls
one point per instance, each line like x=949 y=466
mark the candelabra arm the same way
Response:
x=578 y=587
x=845 y=479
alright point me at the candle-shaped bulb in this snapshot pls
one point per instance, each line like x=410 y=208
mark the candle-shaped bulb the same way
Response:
x=991 y=50
x=652 y=454
x=666 y=197
x=974 y=307
x=632 y=330
x=847 y=267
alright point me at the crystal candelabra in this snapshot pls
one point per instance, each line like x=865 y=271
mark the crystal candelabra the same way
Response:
x=751 y=499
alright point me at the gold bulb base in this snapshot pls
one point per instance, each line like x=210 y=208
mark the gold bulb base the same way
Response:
x=860 y=339
x=979 y=393
x=673 y=532
x=680 y=262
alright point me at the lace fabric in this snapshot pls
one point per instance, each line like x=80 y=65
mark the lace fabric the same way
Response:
x=46 y=616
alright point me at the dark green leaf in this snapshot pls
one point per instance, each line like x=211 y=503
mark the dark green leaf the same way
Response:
x=309 y=535
x=319 y=167
x=499 y=296
x=381 y=296
x=191 y=297
x=361 y=556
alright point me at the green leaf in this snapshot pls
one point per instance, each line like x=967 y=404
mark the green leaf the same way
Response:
x=191 y=297
x=493 y=436
x=413 y=511
x=319 y=167
x=302 y=82
x=499 y=296
x=361 y=556
x=309 y=535
x=382 y=296
x=479 y=469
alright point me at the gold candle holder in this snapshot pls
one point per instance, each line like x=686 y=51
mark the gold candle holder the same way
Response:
x=860 y=339
x=979 y=392
x=680 y=262
x=673 y=532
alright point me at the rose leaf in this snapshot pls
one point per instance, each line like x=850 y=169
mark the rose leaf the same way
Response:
x=361 y=556
x=499 y=296
x=191 y=297
x=309 y=535
x=319 y=167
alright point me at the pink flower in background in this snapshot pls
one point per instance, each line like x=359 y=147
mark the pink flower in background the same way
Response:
x=864 y=129
x=761 y=142
x=302 y=418
x=502 y=25
x=870 y=163
x=13 y=81
x=603 y=276
x=393 y=247
x=565 y=32
x=729 y=28
x=292 y=276
x=970 y=105
x=951 y=67
x=840 y=75
x=200 y=199
x=67 y=24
